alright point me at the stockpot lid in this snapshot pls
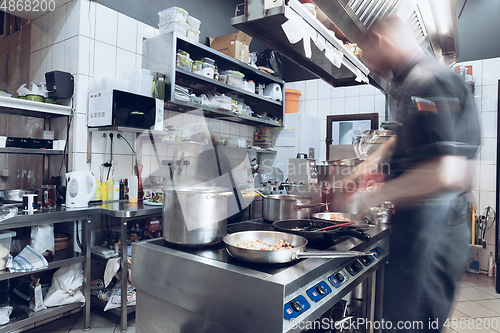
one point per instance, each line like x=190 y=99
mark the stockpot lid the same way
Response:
x=195 y=189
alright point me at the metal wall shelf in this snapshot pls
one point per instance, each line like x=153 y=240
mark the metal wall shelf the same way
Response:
x=160 y=56
x=13 y=150
x=24 y=107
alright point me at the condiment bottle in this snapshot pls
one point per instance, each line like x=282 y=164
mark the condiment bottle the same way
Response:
x=122 y=189
x=97 y=195
x=133 y=188
x=116 y=191
x=109 y=185
x=104 y=191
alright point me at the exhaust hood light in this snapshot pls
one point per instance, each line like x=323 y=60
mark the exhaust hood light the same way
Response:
x=426 y=14
x=442 y=15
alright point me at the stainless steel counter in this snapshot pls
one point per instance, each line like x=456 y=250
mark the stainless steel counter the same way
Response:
x=189 y=290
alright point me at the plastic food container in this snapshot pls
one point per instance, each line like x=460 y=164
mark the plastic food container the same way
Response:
x=208 y=70
x=222 y=78
x=208 y=61
x=250 y=86
x=197 y=67
x=235 y=79
x=193 y=22
x=173 y=14
x=193 y=34
x=5 y=241
x=178 y=26
x=184 y=61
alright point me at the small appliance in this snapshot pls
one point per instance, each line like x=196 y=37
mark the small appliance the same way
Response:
x=302 y=170
x=273 y=91
x=125 y=109
x=80 y=188
x=60 y=85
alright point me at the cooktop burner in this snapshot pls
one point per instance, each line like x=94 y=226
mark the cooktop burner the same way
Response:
x=218 y=251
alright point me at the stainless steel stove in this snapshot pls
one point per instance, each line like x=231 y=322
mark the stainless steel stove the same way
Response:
x=205 y=290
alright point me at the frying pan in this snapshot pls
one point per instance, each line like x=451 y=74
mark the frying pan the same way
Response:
x=277 y=256
x=359 y=220
x=306 y=227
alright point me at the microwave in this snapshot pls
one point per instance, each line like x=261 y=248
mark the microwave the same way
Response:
x=124 y=109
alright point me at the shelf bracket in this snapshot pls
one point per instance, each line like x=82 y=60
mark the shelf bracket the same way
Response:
x=89 y=147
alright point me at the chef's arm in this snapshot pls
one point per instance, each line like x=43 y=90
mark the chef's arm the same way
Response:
x=371 y=164
x=447 y=173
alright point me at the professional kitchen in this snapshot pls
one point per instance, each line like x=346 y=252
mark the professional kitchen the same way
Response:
x=249 y=166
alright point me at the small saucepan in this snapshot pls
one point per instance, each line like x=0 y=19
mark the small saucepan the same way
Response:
x=277 y=256
x=310 y=229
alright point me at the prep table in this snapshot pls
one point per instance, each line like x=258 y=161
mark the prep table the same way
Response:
x=206 y=290
x=123 y=211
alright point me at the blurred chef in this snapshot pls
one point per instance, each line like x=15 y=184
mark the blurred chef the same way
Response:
x=427 y=176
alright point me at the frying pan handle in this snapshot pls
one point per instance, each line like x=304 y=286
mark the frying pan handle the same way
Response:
x=330 y=255
x=299 y=207
x=348 y=232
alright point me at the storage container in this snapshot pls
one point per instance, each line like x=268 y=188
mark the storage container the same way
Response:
x=208 y=61
x=292 y=100
x=235 y=78
x=222 y=78
x=178 y=26
x=250 y=86
x=193 y=22
x=197 y=67
x=5 y=242
x=208 y=70
x=172 y=14
x=193 y=34
x=184 y=61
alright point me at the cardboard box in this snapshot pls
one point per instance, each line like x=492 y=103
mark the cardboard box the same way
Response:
x=235 y=45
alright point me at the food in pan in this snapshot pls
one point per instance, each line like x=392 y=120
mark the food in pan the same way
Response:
x=260 y=245
x=338 y=218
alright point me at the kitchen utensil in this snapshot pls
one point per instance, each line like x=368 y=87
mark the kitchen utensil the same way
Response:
x=260 y=193
x=15 y=196
x=308 y=229
x=336 y=226
x=336 y=217
x=278 y=207
x=486 y=220
x=195 y=216
x=80 y=188
x=278 y=256
x=380 y=215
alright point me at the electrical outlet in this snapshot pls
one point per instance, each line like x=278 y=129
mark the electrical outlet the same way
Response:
x=5 y=172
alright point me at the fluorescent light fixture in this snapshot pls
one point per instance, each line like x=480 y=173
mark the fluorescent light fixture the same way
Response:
x=442 y=15
x=427 y=17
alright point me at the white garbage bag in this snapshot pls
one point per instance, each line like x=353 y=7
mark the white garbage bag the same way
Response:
x=66 y=286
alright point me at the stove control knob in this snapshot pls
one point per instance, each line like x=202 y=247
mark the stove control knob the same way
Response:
x=321 y=290
x=296 y=306
x=339 y=277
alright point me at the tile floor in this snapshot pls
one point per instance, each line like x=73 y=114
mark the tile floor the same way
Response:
x=476 y=309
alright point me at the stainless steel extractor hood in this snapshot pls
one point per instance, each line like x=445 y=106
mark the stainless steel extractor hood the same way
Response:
x=348 y=20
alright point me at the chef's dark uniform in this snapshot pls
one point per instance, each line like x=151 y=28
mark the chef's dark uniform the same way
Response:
x=429 y=240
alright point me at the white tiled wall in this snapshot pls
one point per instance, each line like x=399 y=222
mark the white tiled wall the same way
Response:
x=90 y=41
x=320 y=99
x=486 y=74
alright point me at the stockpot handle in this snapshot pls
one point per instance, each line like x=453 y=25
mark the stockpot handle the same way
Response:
x=331 y=254
x=299 y=207
x=222 y=194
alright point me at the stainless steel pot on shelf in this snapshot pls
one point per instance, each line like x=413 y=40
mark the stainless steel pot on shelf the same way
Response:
x=195 y=216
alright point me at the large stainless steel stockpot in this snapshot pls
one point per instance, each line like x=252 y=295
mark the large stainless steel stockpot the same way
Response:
x=195 y=216
x=284 y=206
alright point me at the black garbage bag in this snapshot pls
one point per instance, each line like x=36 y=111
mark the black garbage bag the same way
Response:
x=271 y=59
